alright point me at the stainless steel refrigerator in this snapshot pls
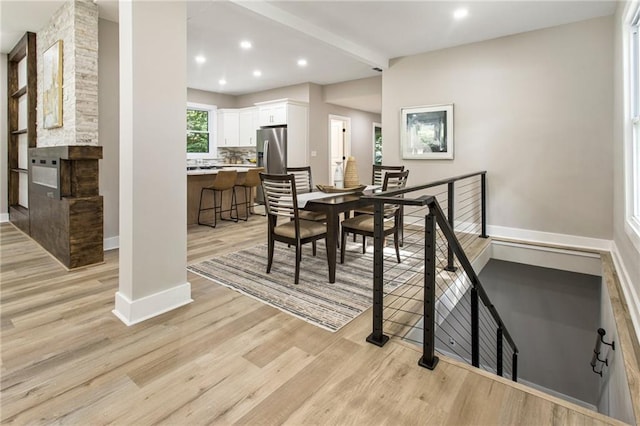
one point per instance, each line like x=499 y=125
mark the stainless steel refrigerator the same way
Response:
x=271 y=152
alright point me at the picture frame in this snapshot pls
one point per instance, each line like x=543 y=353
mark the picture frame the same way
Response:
x=52 y=86
x=426 y=132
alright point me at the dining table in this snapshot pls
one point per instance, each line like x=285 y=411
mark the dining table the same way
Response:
x=332 y=204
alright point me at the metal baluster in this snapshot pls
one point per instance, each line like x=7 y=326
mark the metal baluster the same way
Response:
x=429 y=360
x=377 y=336
x=450 y=218
x=475 y=329
x=499 y=352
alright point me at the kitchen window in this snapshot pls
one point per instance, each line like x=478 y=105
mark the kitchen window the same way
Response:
x=201 y=131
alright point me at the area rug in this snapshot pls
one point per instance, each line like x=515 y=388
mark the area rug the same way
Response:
x=314 y=299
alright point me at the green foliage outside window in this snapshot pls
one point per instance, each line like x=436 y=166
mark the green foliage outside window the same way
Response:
x=197 y=130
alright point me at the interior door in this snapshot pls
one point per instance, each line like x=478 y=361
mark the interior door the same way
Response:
x=339 y=143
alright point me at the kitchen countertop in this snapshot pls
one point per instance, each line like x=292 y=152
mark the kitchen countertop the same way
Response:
x=239 y=169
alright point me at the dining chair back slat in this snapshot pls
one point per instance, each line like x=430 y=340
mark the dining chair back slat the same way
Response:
x=379 y=172
x=304 y=182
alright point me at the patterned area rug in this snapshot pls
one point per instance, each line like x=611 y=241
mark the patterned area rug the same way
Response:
x=314 y=299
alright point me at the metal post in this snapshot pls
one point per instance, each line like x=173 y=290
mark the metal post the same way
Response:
x=483 y=204
x=475 y=329
x=499 y=352
x=429 y=360
x=514 y=373
x=377 y=336
x=450 y=218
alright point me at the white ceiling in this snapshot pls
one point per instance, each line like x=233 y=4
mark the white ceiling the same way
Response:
x=341 y=40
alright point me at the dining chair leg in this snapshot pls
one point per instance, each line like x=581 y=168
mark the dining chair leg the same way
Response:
x=364 y=244
x=343 y=237
x=313 y=244
x=270 y=255
x=298 y=260
x=396 y=243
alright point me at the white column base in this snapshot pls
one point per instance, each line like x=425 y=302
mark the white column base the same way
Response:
x=4 y=217
x=132 y=312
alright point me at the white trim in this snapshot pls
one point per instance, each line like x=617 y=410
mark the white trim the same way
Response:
x=629 y=292
x=575 y=241
x=4 y=217
x=111 y=243
x=132 y=312
x=548 y=257
x=482 y=259
x=558 y=395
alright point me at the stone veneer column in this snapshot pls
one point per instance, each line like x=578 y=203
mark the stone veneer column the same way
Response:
x=76 y=24
x=153 y=97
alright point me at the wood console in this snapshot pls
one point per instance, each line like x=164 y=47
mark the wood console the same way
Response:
x=66 y=210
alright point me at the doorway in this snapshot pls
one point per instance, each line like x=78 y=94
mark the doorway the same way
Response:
x=377 y=143
x=339 y=143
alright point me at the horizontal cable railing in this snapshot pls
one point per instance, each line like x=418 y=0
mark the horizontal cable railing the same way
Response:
x=442 y=305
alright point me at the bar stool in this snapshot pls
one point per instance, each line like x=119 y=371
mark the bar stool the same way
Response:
x=247 y=182
x=225 y=180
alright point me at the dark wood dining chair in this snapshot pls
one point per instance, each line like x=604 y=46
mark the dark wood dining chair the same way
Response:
x=377 y=178
x=281 y=201
x=363 y=224
x=304 y=184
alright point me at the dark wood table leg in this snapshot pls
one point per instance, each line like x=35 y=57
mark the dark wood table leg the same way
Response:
x=333 y=225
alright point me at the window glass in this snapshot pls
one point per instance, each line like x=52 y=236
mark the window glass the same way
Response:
x=197 y=131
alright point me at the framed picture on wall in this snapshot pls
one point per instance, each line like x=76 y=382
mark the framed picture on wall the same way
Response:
x=426 y=132
x=52 y=86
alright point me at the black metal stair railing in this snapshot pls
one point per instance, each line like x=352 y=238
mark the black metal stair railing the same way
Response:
x=443 y=307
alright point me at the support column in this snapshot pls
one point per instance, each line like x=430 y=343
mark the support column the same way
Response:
x=153 y=182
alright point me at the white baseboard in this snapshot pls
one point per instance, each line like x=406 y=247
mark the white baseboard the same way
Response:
x=111 y=243
x=132 y=312
x=4 y=217
x=550 y=238
x=548 y=257
x=630 y=294
x=559 y=395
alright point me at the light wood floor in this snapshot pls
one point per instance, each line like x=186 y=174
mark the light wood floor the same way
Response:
x=225 y=358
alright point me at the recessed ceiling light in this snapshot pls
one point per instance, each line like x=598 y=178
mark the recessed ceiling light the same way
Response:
x=302 y=62
x=222 y=82
x=245 y=44
x=460 y=13
x=201 y=59
x=257 y=73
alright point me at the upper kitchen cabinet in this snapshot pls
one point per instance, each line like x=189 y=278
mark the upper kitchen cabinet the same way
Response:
x=228 y=127
x=249 y=123
x=272 y=113
x=295 y=115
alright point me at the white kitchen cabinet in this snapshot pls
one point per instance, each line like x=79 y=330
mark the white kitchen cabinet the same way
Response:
x=228 y=127
x=295 y=115
x=249 y=124
x=273 y=114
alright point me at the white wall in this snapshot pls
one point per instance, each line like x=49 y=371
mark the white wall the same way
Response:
x=4 y=208
x=534 y=110
x=109 y=127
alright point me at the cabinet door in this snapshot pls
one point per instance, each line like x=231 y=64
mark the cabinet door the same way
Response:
x=273 y=115
x=279 y=114
x=228 y=129
x=248 y=127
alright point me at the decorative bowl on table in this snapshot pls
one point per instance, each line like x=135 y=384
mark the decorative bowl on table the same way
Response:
x=333 y=189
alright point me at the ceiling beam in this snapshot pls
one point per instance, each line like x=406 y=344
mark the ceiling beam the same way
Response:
x=359 y=52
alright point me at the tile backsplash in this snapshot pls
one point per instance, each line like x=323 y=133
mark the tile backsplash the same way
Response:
x=236 y=155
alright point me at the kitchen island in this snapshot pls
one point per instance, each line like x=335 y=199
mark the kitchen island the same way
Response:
x=200 y=178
